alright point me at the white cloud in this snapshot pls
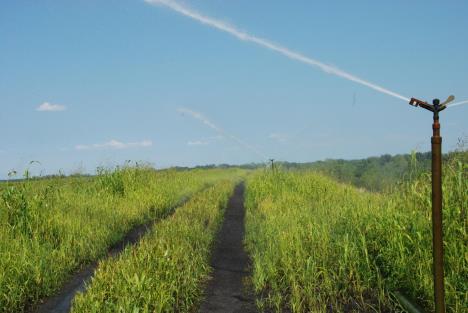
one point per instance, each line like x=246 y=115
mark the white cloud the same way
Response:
x=115 y=144
x=197 y=143
x=218 y=137
x=48 y=107
x=279 y=137
x=233 y=148
x=205 y=141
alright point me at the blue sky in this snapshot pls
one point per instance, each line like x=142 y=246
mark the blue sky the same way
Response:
x=112 y=77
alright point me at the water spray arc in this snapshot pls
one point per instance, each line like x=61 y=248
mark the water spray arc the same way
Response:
x=220 y=131
x=457 y=104
x=244 y=36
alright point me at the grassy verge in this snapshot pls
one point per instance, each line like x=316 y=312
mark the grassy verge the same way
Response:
x=165 y=271
x=320 y=246
x=49 y=227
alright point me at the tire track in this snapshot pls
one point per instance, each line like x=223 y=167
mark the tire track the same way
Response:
x=226 y=292
x=61 y=302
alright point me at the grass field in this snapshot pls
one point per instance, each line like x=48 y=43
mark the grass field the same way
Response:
x=318 y=245
x=165 y=272
x=50 y=227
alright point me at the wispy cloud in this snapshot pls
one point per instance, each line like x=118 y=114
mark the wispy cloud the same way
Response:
x=279 y=137
x=49 y=107
x=220 y=131
x=115 y=144
x=198 y=143
x=244 y=36
x=217 y=137
x=205 y=141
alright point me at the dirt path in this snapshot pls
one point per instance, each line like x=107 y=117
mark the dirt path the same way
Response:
x=226 y=291
x=61 y=302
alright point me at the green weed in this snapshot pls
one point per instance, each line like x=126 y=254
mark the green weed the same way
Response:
x=165 y=271
x=51 y=227
x=321 y=246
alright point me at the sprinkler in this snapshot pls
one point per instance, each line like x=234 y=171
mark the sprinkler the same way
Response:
x=437 y=234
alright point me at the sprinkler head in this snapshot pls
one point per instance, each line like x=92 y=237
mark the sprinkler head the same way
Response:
x=436 y=106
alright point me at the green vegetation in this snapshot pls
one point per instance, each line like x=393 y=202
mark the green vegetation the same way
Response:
x=50 y=227
x=374 y=173
x=319 y=245
x=165 y=271
x=316 y=244
x=379 y=173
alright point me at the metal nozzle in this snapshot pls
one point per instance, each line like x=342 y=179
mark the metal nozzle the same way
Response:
x=416 y=102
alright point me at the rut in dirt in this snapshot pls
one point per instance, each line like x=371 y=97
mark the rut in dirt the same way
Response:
x=227 y=291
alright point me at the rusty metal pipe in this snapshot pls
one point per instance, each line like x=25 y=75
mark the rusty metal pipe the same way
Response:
x=437 y=234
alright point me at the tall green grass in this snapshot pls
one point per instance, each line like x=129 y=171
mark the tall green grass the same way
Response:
x=321 y=246
x=165 y=271
x=50 y=227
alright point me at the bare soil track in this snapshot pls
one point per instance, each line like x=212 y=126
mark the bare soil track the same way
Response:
x=227 y=291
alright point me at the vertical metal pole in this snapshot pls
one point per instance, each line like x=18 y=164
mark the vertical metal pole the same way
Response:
x=437 y=235
x=437 y=240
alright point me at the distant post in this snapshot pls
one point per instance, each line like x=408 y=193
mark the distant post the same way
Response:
x=272 y=164
x=437 y=233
